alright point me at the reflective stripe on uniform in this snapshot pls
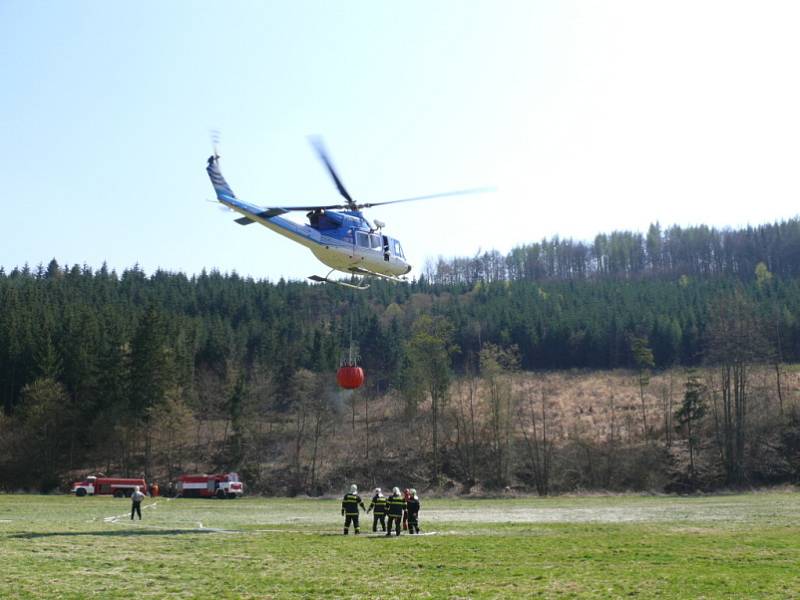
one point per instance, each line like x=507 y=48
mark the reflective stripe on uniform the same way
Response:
x=379 y=504
x=350 y=504
x=396 y=505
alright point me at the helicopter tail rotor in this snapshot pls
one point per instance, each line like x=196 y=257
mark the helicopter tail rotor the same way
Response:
x=221 y=187
x=214 y=135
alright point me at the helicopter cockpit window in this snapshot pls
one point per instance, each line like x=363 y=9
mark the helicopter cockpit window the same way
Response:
x=362 y=239
x=375 y=242
x=398 y=250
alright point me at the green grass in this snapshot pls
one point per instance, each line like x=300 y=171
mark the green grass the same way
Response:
x=742 y=546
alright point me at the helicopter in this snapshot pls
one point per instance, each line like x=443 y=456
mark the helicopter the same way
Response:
x=339 y=235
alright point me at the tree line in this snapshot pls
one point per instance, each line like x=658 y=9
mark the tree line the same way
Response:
x=692 y=251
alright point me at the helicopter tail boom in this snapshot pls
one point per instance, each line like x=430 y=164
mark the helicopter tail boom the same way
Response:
x=226 y=196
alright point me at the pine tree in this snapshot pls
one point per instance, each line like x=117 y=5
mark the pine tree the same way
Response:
x=150 y=376
x=691 y=411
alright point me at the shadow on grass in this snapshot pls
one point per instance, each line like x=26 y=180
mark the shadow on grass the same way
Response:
x=114 y=533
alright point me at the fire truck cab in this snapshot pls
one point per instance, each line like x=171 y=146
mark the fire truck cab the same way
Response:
x=218 y=485
x=112 y=486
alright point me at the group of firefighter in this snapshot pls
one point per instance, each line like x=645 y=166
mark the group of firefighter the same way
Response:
x=402 y=510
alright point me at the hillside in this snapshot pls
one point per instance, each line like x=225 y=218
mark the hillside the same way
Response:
x=551 y=432
x=590 y=436
x=150 y=373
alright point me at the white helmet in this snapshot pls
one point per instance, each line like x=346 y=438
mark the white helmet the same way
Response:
x=378 y=491
x=396 y=491
x=413 y=492
x=353 y=488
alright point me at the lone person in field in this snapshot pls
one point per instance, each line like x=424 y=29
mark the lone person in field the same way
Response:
x=136 y=502
x=379 y=504
x=396 y=505
x=413 y=511
x=350 y=504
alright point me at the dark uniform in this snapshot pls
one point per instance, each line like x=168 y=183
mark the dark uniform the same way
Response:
x=350 y=504
x=413 y=514
x=379 y=516
x=395 y=505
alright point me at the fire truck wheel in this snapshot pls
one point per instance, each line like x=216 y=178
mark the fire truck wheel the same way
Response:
x=119 y=494
x=221 y=494
x=232 y=496
x=80 y=492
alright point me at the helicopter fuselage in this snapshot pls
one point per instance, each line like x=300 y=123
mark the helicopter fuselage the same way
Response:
x=343 y=240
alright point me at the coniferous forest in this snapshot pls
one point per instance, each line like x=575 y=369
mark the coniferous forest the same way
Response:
x=155 y=374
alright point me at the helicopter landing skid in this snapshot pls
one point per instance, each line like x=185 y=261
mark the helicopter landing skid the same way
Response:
x=337 y=282
x=366 y=273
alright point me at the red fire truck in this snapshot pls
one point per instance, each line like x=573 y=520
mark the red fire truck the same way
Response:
x=112 y=486
x=219 y=485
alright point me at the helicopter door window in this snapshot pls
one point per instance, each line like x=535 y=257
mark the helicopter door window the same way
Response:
x=362 y=239
x=385 y=248
x=398 y=250
x=375 y=242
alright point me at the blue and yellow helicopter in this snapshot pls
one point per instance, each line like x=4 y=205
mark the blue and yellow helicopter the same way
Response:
x=337 y=234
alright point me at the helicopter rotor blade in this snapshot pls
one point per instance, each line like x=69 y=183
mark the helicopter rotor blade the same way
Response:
x=355 y=206
x=317 y=207
x=316 y=142
x=429 y=197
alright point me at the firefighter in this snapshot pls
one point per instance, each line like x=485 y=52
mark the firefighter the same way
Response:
x=136 y=502
x=396 y=505
x=379 y=504
x=350 y=504
x=413 y=511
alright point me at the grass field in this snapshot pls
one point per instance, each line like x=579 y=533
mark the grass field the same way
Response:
x=742 y=546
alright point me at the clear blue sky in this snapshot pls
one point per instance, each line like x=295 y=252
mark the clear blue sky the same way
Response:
x=587 y=117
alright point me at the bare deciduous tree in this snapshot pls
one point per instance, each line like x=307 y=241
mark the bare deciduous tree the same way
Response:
x=533 y=424
x=735 y=343
x=429 y=351
x=497 y=368
x=643 y=358
x=467 y=423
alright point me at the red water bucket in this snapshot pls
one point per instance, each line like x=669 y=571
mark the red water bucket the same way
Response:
x=350 y=378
